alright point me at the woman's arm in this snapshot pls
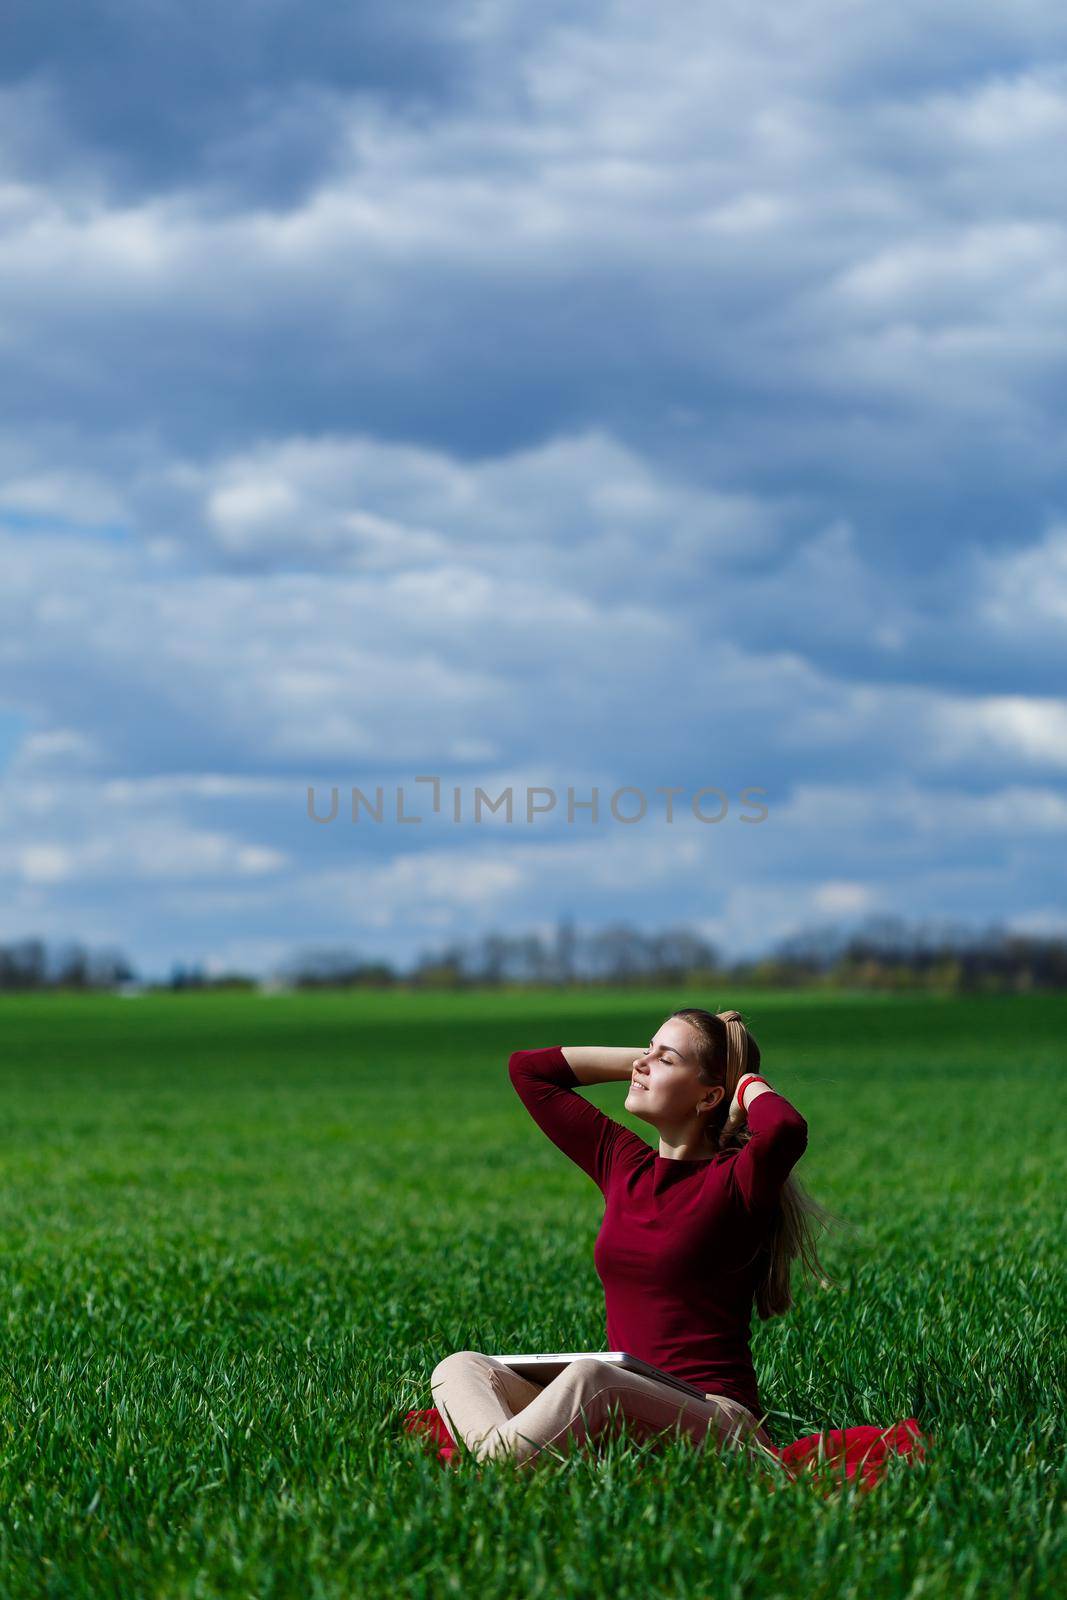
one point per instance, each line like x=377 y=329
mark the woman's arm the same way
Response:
x=778 y=1139
x=546 y=1083
x=756 y=1086
x=602 y=1063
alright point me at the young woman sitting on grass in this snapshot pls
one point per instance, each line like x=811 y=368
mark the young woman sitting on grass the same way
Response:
x=693 y=1232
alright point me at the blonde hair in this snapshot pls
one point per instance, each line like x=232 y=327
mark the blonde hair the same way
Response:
x=726 y=1052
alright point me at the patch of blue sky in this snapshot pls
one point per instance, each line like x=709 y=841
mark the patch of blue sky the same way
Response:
x=30 y=522
x=14 y=726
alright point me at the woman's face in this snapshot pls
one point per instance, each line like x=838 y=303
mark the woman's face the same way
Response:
x=664 y=1086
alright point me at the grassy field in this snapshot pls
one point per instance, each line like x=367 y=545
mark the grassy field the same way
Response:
x=240 y=1231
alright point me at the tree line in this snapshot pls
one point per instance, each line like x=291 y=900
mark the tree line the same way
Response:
x=884 y=952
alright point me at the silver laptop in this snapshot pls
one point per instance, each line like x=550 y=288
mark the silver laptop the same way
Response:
x=541 y=1369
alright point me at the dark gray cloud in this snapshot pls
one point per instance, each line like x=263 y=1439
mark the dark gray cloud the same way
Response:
x=242 y=97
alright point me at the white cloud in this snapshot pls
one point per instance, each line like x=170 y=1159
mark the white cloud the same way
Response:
x=194 y=785
x=1020 y=727
x=842 y=898
x=933 y=815
x=148 y=850
x=1041 y=922
x=66 y=750
x=98 y=831
x=44 y=863
x=440 y=886
x=1026 y=589
x=1009 y=114
x=933 y=279
x=70 y=496
x=371 y=505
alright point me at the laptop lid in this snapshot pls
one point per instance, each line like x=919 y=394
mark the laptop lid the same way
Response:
x=542 y=1368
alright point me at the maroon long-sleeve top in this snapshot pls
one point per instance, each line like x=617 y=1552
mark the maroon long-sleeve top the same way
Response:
x=682 y=1244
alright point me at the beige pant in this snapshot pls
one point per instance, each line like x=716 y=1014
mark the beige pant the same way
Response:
x=498 y=1414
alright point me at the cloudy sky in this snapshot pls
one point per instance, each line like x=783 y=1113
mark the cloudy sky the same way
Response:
x=586 y=395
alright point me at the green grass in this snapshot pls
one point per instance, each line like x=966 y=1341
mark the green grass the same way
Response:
x=239 y=1232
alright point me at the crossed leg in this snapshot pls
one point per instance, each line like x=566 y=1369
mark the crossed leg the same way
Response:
x=499 y=1414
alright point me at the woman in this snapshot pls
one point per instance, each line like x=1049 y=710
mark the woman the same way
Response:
x=692 y=1234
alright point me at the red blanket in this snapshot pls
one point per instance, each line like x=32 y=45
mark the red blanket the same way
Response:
x=860 y=1451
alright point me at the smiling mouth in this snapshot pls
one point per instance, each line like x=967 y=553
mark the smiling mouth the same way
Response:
x=638 y=1085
